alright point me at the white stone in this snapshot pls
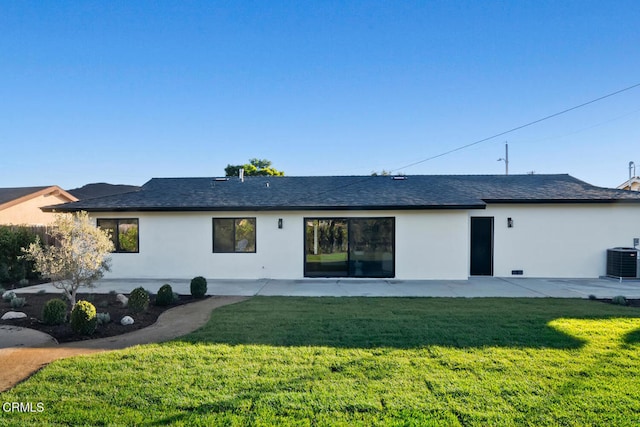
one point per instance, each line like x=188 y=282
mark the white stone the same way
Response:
x=10 y=315
x=126 y=320
x=122 y=299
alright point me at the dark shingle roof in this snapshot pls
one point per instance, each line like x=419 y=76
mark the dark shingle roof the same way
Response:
x=352 y=192
x=9 y=194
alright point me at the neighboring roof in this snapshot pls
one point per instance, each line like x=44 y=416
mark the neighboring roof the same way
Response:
x=350 y=192
x=630 y=184
x=101 y=189
x=13 y=196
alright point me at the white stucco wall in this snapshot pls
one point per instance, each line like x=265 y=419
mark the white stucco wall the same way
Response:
x=559 y=240
x=545 y=241
x=429 y=245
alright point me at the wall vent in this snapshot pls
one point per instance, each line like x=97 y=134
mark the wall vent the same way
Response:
x=517 y=272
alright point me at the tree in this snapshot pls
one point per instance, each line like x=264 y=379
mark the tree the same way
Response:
x=79 y=257
x=255 y=167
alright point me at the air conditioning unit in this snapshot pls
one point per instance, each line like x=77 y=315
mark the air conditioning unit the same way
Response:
x=622 y=263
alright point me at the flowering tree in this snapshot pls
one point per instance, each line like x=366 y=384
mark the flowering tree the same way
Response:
x=79 y=257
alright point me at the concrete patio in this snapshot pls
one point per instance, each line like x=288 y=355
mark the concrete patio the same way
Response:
x=471 y=288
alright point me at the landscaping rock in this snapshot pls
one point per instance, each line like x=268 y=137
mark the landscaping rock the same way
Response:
x=122 y=299
x=10 y=315
x=126 y=320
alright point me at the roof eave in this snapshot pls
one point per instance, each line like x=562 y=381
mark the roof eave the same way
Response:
x=561 y=201
x=263 y=208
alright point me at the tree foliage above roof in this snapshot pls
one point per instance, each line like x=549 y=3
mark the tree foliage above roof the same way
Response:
x=255 y=167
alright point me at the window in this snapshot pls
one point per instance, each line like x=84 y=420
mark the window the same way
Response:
x=349 y=247
x=123 y=232
x=231 y=235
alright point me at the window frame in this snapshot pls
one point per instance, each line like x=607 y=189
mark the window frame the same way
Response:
x=117 y=248
x=235 y=243
x=347 y=220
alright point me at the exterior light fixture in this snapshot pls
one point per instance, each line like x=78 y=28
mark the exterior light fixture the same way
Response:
x=509 y=223
x=279 y=222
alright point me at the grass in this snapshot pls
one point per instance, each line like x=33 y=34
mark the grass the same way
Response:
x=362 y=361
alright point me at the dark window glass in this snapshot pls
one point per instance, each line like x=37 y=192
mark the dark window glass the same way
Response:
x=350 y=247
x=234 y=235
x=123 y=232
x=326 y=247
x=371 y=247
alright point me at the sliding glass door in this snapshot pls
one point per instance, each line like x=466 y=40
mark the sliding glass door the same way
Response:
x=349 y=247
x=326 y=248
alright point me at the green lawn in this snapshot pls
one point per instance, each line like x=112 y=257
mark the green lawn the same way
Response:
x=362 y=361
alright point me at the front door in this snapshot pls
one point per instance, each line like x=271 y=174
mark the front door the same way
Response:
x=482 y=246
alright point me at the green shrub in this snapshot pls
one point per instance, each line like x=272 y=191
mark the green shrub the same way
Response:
x=18 y=302
x=8 y=296
x=165 y=295
x=198 y=287
x=103 y=318
x=13 y=267
x=138 y=300
x=619 y=300
x=54 y=312
x=83 y=318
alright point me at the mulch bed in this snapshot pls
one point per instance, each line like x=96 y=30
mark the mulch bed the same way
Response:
x=104 y=303
x=630 y=302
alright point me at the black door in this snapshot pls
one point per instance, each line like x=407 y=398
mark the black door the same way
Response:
x=482 y=246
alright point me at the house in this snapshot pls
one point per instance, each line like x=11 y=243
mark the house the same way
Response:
x=402 y=227
x=22 y=205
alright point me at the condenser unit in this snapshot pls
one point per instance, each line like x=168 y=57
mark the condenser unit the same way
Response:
x=622 y=263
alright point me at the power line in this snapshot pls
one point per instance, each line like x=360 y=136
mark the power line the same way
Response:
x=481 y=140
x=518 y=127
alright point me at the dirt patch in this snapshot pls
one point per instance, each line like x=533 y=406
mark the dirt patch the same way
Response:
x=104 y=303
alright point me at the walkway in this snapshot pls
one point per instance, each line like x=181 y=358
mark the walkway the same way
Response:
x=471 y=288
x=36 y=350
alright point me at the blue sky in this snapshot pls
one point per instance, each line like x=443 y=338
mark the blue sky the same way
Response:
x=121 y=92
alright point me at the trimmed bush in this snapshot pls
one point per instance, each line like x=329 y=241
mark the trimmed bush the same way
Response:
x=103 y=318
x=138 y=300
x=619 y=300
x=83 y=318
x=18 y=302
x=8 y=296
x=198 y=287
x=165 y=295
x=54 y=312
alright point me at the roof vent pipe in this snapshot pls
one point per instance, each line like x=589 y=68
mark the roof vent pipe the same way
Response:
x=241 y=173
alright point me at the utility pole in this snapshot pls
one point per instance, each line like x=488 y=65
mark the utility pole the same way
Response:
x=505 y=158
